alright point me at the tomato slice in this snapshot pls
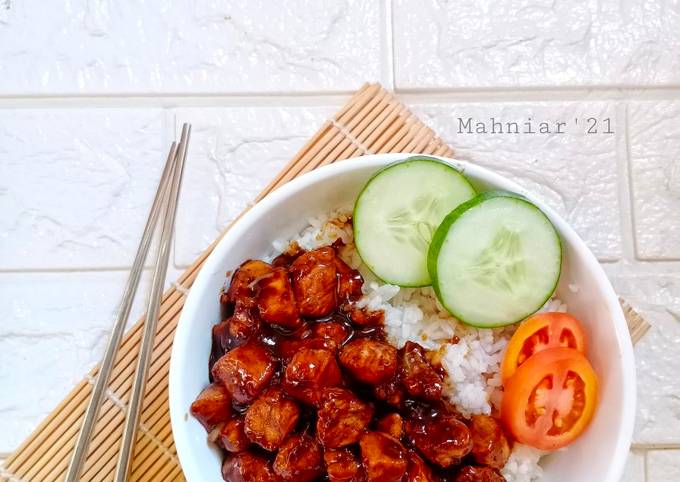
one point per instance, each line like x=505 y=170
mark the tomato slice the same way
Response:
x=540 y=332
x=551 y=398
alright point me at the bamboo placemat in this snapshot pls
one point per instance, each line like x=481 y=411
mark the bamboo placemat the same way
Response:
x=373 y=121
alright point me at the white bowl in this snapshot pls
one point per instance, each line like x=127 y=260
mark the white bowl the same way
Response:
x=598 y=456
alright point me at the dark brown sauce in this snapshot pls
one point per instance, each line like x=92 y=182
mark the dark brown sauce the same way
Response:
x=332 y=332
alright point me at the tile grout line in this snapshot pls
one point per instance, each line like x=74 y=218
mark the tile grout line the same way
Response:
x=217 y=99
x=625 y=193
x=629 y=185
x=655 y=446
x=387 y=40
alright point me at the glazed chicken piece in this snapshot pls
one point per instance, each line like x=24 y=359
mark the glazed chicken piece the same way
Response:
x=309 y=372
x=384 y=458
x=220 y=339
x=349 y=281
x=315 y=282
x=418 y=470
x=343 y=466
x=243 y=325
x=271 y=419
x=245 y=371
x=471 y=473
x=234 y=331
x=391 y=424
x=489 y=444
x=212 y=406
x=242 y=287
x=248 y=467
x=369 y=361
x=299 y=459
x=342 y=418
x=232 y=437
x=417 y=375
x=275 y=300
x=334 y=332
x=391 y=392
x=287 y=348
x=441 y=438
x=364 y=317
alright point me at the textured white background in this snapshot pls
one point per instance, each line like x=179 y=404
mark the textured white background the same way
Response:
x=92 y=91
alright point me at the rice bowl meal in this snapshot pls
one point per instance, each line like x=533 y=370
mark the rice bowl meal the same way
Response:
x=412 y=334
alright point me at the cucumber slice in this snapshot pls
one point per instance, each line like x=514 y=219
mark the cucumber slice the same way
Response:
x=495 y=260
x=399 y=210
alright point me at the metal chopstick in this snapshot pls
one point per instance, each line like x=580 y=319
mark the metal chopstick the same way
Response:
x=139 y=384
x=102 y=381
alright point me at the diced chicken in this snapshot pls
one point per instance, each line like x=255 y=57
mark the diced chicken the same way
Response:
x=442 y=439
x=342 y=418
x=234 y=331
x=343 y=466
x=213 y=406
x=489 y=444
x=391 y=424
x=242 y=287
x=288 y=347
x=245 y=371
x=418 y=470
x=391 y=391
x=275 y=300
x=327 y=335
x=232 y=436
x=369 y=361
x=349 y=281
x=471 y=473
x=384 y=458
x=220 y=339
x=309 y=372
x=364 y=317
x=300 y=459
x=335 y=332
x=248 y=467
x=315 y=282
x=271 y=419
x=417 y=375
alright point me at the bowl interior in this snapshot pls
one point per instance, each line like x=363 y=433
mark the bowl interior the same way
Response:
x=599 y=455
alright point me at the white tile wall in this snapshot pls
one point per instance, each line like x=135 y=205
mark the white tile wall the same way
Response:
x=54 y=329
x=66 y=47
x=663 y=465
x=76 y=185
x=521 y=43
x=91 y=93
x=635 y=468
x=657 y=296
x=655 y=170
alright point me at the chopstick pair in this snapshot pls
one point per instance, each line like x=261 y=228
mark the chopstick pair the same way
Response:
x=165 y=205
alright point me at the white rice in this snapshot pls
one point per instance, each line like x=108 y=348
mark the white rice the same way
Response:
x=415 y=314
